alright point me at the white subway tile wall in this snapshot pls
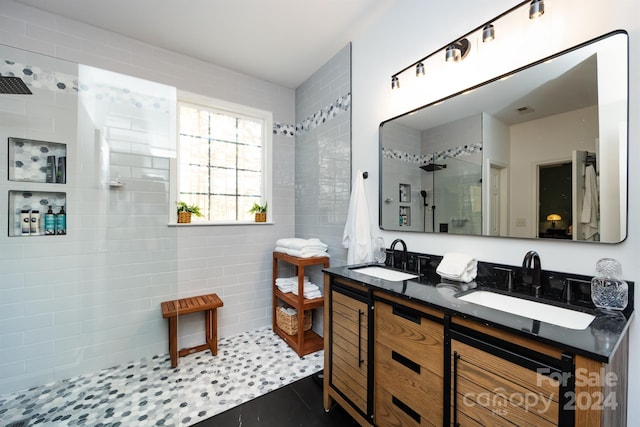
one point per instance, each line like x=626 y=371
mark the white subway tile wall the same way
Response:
x=322 y=192
x=91 y=299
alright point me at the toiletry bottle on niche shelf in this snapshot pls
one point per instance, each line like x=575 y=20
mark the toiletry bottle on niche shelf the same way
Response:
x=61 y=222
x=49 y=223
x=35 y=222
x=61 y=171
x=25 y=222
x=51 y=174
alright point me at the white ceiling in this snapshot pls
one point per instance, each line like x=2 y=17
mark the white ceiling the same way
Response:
x=282 y=41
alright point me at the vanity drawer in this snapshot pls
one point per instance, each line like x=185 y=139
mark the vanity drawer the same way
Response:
x=493 y=391
x=410 y=334
x=392 y=410
x=417 y=387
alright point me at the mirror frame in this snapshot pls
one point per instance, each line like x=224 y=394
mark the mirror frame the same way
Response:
x=624 y=147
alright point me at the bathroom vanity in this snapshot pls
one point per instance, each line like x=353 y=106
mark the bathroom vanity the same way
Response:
x=412 y=353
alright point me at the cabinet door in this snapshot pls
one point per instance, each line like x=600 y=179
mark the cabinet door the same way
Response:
x=409 y=356
x=349 y=349
x=489 y=390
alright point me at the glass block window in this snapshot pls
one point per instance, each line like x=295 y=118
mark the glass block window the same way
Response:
x=222 y=161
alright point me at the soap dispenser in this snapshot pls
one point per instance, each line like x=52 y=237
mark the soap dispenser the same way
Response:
x=49 y=223
x=61 y=222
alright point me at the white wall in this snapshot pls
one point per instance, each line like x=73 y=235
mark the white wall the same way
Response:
x=413 y=29
x=233 y=261
x=549 y=140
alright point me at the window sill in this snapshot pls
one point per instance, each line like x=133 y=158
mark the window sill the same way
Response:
x=217 y=223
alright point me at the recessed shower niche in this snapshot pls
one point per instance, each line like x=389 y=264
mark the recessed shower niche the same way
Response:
x=37 y=161
x=28 y=212
x=40 y=165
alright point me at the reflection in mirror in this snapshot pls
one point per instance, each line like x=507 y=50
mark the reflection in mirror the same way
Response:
x=538 y=153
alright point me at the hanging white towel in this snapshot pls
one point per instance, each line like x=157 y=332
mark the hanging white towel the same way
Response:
x=357 y=231
x=589 y=215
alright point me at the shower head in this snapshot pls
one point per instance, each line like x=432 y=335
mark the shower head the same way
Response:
x=13 y=86
x=431 y=167
x=423 y=193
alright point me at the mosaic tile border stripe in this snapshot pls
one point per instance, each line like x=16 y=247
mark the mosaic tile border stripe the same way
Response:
x=339 y=106
x=423 y=159
x=36 y=77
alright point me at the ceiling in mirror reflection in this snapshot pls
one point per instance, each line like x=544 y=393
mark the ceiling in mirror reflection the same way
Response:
x=555 y=111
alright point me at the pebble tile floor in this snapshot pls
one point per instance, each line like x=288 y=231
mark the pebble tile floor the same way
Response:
x=149 y=393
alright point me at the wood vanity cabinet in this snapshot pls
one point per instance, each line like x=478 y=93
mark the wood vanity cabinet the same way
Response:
x=501 y=379
x=392 y=361
x=348 y=368
x=409 y=353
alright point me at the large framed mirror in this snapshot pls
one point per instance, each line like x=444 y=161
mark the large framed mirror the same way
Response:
x=538 y=153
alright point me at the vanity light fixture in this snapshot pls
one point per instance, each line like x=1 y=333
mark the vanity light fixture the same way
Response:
x=536 y=9
x=457 y=51
x=395 y=82
x=488 y=33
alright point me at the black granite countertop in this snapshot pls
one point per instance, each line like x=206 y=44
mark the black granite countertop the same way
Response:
x=598 y=341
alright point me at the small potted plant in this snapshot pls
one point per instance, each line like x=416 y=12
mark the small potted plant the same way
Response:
x=260 y=211
x=185 y=211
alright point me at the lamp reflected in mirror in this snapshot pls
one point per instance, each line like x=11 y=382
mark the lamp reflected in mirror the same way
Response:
x=553 y=218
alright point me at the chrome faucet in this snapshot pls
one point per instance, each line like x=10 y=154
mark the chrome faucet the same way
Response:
x=405 y=254
x=531 y=272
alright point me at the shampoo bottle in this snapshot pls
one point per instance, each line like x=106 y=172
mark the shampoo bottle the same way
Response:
x=25 y=222
x=61 y=222
x=51 y=169
x=49 y=223
x=61 y=171
x=35 y=223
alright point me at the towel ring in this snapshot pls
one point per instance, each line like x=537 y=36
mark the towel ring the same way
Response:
x=365 y=175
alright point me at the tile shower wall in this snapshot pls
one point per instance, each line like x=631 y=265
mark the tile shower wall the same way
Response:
x=323 y=158
x=92 y=300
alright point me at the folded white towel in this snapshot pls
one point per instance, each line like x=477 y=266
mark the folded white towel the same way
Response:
x=310 y=291
x=298 y=244
x=304 y=253
x=293 y=279
x=458 y=267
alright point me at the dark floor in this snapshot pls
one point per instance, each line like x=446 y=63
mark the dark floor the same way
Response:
x=298 y=404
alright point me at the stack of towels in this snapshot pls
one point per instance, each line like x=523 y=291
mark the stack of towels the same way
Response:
x=301 y=248
x=458 y=267
x=290 y=284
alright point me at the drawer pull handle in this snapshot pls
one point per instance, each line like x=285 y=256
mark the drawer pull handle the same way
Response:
x=406 y=409
x=405 y=362
x=360 y=359
x=407 y=314
x=456 y=356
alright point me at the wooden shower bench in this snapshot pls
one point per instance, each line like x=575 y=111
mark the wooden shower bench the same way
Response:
x=176 y=308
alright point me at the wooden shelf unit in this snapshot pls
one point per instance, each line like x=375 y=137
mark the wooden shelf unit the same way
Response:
x=304 y=342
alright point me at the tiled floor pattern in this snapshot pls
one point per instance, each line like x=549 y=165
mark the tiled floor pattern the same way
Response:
x=149 y=393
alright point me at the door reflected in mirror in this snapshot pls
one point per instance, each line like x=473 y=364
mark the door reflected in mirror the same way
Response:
x=482 y=164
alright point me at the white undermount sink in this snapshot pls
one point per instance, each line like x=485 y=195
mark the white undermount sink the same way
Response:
x=385 y=273
x=534 y=310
